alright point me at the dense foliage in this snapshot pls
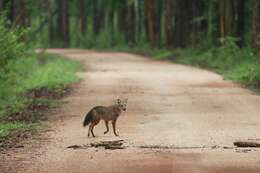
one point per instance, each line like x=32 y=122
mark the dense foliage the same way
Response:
x=222 y=34
x=134 y=23
x=11 y=48
x=23 y=71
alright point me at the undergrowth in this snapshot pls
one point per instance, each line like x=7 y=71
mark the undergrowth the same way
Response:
x=29 y=81
x=35 y=72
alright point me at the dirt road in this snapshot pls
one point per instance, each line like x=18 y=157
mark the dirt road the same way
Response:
x=180 y=119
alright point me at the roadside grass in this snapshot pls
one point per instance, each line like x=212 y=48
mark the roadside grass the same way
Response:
x=22 y=76
x=241 y=66
x=7 y=128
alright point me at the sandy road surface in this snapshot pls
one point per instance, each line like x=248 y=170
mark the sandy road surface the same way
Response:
x=193 y=112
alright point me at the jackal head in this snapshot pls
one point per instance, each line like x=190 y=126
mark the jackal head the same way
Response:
x=122 y=104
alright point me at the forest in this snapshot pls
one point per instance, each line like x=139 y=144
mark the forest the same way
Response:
x=160 y=24
x=219 y=35
x=222 y=35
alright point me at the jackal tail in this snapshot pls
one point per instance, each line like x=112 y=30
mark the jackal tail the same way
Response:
x=87 y=119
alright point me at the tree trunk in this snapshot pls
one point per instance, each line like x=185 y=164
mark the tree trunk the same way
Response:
x=210 y=24
x=95 y=17
x=112 y=25
x=197 y=24
x=138 y=20
x=98 y=16
x=83 y=16
x=182 y=22
x=63 y=22
x=131 y=24
x=256 y=25
x=18 y=13
x=169 y=23
x=158 y=22
x=1 y=5
x=50 y=19
x=227 y=25
x=150 y=13
x=240 y=21
x=122 y=19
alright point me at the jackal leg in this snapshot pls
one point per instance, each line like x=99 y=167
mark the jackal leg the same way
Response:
x=89 y=129
x=92 y=127
x=106 y=123
x=93 y=124
x=114 y=127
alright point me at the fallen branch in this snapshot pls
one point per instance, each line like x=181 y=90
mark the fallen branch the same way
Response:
x=246 y=144
x=79 y=146
x=112 y=145
x=107 y=143
x=176 y=148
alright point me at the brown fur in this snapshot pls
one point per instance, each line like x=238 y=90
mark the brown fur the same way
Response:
x=110 y=113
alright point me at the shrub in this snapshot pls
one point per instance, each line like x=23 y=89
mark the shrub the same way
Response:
x=11 y=46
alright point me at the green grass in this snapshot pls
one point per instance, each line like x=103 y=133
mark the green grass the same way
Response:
x=7 y=128
x=241 y=66
x=35 y=71
x=51 y=72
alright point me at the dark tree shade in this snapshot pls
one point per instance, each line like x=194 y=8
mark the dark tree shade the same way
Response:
x=160 y=23
x=226 y=10
x=131 y=23
x=241 y=17
x=51 y=28
x=18 y=13
x=1 y=4
x=82 y=16
x=169 y=27
x=150 y=13
x=63 y=22
x=256 y=25
x=98 y=16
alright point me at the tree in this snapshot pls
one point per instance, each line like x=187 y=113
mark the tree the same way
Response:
x=83 y=16
x=63 y=22
x=150 y=14
x=139 y=20
x=52 y=36
x=123 y=17
x=226 y=11
x=98 y=16
x=130 y=27
x=1 y=4
x=169 y=23
x=182 y=23
x=256 y=25
x=18 y=13
x=210 y=21
x=241 y=16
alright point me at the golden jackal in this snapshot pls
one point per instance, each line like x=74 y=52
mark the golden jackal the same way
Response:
x=110 y=113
